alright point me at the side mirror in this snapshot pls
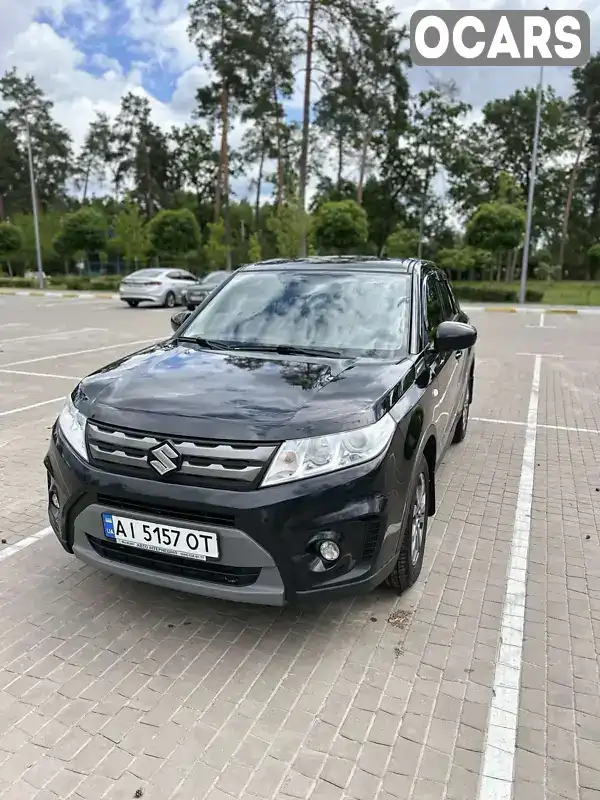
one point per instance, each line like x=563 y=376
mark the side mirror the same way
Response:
x=178 y=318
x=452 y=336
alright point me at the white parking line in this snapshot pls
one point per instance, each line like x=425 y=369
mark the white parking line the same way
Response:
x=501 y=735
x=29 y=540
x=76 y=353
x=54 y=335
x=33 y=405
x=571 y=428
x=37 y=374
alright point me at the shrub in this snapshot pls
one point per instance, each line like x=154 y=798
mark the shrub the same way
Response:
x=18 y=283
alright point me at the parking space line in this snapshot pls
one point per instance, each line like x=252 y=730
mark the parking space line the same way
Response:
x=33 y=405
x=501 y=734
x=54 y=335
x=76 y=353
x=571 y=428
x=37 y=374
x=546 y=355
x=29 y=540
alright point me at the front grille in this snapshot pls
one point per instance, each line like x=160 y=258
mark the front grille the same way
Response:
x=163 y=509
x=204 y=462
x=175 y=565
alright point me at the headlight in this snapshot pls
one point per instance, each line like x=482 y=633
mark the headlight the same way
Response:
x=72 y=425
x=303 y=458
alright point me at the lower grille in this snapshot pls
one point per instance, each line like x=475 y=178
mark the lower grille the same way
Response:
x=175 y=565
x=372 y=530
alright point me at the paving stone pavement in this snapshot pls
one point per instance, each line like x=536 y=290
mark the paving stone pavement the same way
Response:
x=110 y=688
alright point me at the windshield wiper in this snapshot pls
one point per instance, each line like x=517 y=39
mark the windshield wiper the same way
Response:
x=291 y=350
x=210 y=344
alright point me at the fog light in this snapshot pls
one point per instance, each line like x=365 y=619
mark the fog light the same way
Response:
x=329 y=551
x=54 y=499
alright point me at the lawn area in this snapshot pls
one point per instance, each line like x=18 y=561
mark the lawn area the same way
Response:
x=556 y=293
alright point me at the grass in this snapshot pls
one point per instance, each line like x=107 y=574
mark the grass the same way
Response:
x=556 y=293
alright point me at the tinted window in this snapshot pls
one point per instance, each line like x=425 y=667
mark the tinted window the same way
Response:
x=434 y=310
x=447 y=304
x=357 y=313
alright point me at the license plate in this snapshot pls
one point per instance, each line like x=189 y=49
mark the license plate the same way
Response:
x=166 y=539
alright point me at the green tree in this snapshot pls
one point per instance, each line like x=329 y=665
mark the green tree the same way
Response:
x=96 y=153
x=131 y=235
x=254 y=251
x=49 y=224
x=174 y=232
x=226 y=33
x=11 y=242
x=340 y=227
x=593 y=255
x=24 y=103
x=463 y=260
x=216 y=250
x=498 y=228
x=287 y=224
x=83 y=231
x=194 y=163
x=403 y=242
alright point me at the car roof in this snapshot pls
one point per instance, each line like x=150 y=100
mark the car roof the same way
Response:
x=403 y=265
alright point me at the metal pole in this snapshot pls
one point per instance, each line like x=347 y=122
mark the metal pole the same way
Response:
x=38 y=249
x=536 y=140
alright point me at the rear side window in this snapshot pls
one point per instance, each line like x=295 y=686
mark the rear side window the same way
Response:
x=447 y=299
x=434 y=310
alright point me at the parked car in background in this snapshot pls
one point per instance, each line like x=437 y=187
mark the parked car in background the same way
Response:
x=283 y=443
x=159 y=287
x=198 y=293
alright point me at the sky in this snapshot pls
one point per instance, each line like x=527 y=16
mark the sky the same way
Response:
x=86 y=53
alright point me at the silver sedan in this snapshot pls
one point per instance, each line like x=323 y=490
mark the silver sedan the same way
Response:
x=158 y=287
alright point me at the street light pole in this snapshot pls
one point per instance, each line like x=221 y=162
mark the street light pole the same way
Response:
x=36 y=229
x=532 y=176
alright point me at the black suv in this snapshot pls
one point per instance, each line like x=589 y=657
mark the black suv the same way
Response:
x=282 y=444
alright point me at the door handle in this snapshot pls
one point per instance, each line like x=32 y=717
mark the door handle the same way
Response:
x=458 y=354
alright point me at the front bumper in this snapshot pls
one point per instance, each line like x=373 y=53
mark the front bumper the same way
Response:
x=195 y=299
x=267 y=536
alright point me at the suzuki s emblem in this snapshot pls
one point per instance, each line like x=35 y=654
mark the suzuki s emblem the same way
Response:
x=164 y=458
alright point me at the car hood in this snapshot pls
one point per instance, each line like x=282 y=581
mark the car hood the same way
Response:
x=179 y=389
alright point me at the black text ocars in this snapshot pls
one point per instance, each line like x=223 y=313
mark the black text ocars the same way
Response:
x=282 y=444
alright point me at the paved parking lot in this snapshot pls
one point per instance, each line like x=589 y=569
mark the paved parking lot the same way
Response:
x=481 y=682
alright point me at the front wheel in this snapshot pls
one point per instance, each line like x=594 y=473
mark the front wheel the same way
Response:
x=133 y=303
x=170 y=300
x=410 y=559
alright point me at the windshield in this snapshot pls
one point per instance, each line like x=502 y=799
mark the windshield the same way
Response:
x=214 y=278
x=355 y=313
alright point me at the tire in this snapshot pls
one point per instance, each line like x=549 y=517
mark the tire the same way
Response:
x=410 y=559
x=170 y=300
x=463 y=420
x=191 y=307
x=133 y=303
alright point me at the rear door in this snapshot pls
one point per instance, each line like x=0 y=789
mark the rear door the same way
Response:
x=451 y=313
x=443 y=367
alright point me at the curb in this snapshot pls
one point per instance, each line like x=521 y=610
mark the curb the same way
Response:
x=562 y=311
x=501 y=310
x=70 y=295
